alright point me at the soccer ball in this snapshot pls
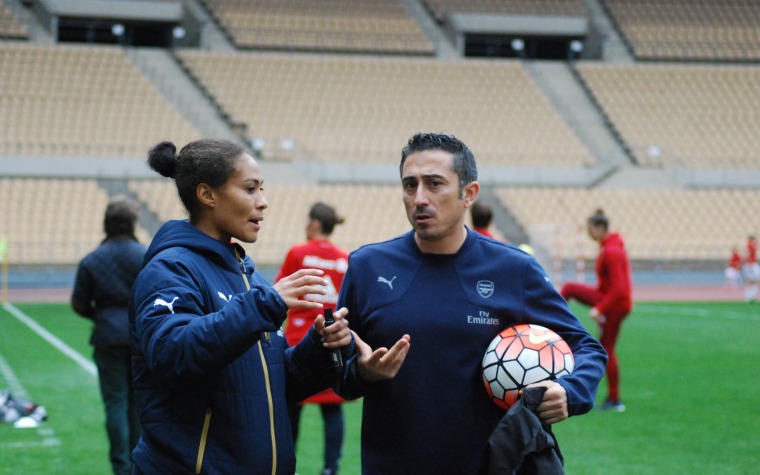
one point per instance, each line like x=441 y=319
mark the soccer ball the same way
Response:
x=521 y=355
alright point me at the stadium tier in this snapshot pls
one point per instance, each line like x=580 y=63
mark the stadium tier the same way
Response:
x=696 y=30
x=56 y=221
x=10 y=26
x=371 y=212
x=52 y=221
x=68 y=101
x=325 y=93
x=666 y=225
x=381 y=26
x=357 y=109
x=676 y=115
x=442 y=8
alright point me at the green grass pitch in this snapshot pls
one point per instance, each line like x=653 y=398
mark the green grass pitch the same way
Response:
x=689 y=381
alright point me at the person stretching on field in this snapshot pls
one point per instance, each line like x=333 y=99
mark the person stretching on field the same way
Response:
x=610 y=300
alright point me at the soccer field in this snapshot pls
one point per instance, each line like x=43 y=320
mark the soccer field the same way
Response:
x=689 y=381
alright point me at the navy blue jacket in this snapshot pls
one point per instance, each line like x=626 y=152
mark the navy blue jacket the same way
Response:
x=102 y=286
x=213 y=372
x=435 y=417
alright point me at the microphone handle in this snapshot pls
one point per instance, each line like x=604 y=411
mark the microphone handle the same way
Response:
x=335 y=355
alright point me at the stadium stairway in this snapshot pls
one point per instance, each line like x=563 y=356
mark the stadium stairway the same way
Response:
x=178 y=88
x=37 y=33
x=503 y=220
x=213 y=37
x=161 y=68
x=148 y=219
x=557 y=81
x=615 y=49
x=443 y=47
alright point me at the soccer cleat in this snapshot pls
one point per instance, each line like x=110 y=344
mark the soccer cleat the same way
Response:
x=612 y=406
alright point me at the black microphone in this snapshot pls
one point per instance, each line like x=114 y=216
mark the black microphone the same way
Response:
x=335 y=355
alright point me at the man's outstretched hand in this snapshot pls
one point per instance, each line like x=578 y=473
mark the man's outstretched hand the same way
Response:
x=382 y=363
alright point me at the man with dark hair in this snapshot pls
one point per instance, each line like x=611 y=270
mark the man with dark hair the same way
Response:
x=481 y=215
x=436 y=297
x=103 y=282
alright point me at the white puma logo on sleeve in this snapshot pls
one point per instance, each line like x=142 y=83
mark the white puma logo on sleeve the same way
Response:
x=169 y=305
x=382 y=279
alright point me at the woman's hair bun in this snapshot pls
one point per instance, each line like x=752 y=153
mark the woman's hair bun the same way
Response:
x=163 y=159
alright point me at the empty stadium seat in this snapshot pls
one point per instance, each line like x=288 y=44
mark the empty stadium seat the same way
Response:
x=81 y=101
x=363 y=109
x=442 y=8
x=381 y=26
x=689 y=30
x=656 y=224
x=681 y=116
x=51 y=221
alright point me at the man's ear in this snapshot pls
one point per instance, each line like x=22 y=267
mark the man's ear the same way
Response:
x=205 y=195
x=470 y=193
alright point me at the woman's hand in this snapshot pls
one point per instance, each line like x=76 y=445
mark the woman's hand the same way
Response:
x=300 y=283
x=336 y=335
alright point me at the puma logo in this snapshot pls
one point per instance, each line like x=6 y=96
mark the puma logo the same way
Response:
x=536 y=339
x=224 y=297
x=382 y=279
x=169 y=305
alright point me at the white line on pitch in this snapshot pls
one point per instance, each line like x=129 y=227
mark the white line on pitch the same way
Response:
x=42 y=443
x=86 y=364
x=14 y=384
x=693 y=312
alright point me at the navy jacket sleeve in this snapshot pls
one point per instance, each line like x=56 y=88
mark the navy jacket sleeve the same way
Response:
x=350 y=386
x=546 y=307
x=80 y=296
x=180 y=338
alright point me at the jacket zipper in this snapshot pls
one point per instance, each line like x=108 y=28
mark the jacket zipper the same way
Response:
x=266 y=378
x=204 y=438
x=271 y=410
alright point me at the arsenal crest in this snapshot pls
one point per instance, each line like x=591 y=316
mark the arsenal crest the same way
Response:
x=485 y=288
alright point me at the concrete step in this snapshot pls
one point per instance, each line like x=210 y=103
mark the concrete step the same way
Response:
x=160 y=66
x=560 y=85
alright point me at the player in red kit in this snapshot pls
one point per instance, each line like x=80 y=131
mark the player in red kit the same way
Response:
x=610 y=300
x=751 y=270
x=318 y=253
x=733 y=271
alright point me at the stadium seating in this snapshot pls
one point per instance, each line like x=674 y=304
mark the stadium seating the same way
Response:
x=10 y=26
x=50 y=221
x=362 y=109
x=342 y=84
x=666 y=225
x=441 y=8
x=371 y=212
x=66 y=101
x=701 y=30
x=676 y=115
x=324 y=25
